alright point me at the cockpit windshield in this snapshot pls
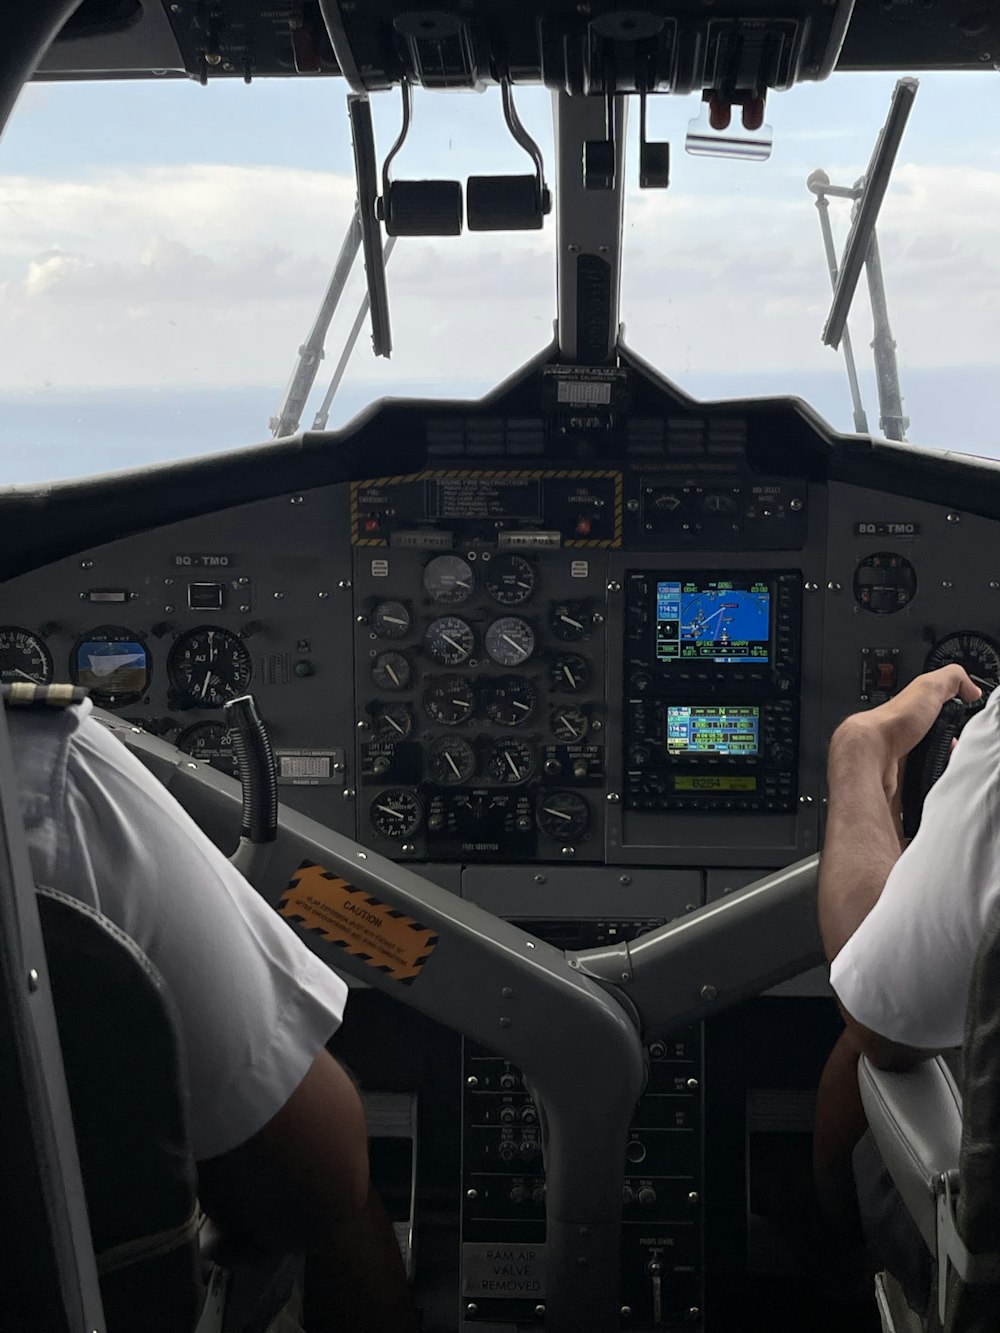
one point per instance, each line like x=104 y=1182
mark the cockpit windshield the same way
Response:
x=164 y=249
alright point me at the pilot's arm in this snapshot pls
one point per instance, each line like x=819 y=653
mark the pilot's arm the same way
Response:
x=900 y=926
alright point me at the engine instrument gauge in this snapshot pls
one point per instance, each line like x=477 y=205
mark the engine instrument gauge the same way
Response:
x=569 y=724
x=570 y=673
x=396 y=813
x=563 y=814
x=391 y=671
x=112 y=663
x=512 y=701
x=449 y=700
x=571 y=620
x=393 y=722
x=510 y=641
x=979 y=655
x=450 y=640
x=511 y=762
x=23 y=656
x=451 y=760
x=510 y=579
x=448 y=578
x=212 y=743
x=391 y=620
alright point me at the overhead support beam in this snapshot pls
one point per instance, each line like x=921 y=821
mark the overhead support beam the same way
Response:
x=588 y=227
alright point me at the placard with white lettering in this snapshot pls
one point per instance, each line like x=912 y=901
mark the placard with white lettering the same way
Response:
x=887 y=529
x=504 y=1272
x=184 y=561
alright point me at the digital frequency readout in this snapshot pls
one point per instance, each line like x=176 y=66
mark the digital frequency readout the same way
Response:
x=713 y=730
x=720 y=621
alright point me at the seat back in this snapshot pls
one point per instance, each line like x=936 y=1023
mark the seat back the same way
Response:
x=123 y=1069
x=975 y=1307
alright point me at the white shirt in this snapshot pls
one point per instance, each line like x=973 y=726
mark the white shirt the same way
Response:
x=905 y=972
x=255 y=1005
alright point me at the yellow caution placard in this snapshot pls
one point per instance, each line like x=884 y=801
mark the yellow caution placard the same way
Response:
x=344 y=915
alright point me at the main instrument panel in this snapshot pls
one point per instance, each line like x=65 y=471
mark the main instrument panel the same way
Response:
x=462 y=666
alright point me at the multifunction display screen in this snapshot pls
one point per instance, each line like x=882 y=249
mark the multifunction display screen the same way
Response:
x=713 y=729
x=717 y=621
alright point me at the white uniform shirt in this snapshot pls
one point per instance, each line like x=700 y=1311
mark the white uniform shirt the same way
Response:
x=905 y=972
x=255 y=1005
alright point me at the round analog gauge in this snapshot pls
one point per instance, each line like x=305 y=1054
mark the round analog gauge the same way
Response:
x=391 y=620
x=979 y=655
x=570 y=673
x=23 y=656
x=451 y=760
x=511 y=762
x=512 y=701
x=563 y=815
x=450 y=640
x=112 y=663
x=447 y=578
x=396 y=813
x=212 y=743
x=571 y=620
x=393 y=722
x=510 y=579
x=391 y=671
x=510 y=641
x=569 y=724
x=884 y=582
x=207 y=666
x=449 y=700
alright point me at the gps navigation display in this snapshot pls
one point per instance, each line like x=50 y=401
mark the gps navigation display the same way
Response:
x=713 y=730
x=717 y=621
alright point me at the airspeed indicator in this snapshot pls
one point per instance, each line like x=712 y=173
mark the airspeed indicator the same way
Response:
x=23 y=656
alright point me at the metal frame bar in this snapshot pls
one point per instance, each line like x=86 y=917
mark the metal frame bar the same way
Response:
x=500 y=986
x=588 y=222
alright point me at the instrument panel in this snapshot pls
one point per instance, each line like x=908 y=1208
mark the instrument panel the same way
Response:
x=528 y=665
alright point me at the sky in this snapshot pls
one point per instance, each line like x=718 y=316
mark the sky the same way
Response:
x=164 y=248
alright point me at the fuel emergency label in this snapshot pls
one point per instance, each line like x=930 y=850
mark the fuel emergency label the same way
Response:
x=344 y=915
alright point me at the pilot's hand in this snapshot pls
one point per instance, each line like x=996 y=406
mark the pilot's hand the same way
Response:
x=888 y=733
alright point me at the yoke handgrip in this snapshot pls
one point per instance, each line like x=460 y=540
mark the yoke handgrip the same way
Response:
x=928 y=760
x=257 y=770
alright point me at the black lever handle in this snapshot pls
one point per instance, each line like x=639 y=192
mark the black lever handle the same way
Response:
x=928 y=760
x=257 y=769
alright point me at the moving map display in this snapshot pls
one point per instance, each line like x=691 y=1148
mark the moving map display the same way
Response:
x=713 y=620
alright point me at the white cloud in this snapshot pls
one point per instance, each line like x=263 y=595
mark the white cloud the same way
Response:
x=207 y=274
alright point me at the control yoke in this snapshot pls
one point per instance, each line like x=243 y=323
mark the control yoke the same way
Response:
x=384 y=924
